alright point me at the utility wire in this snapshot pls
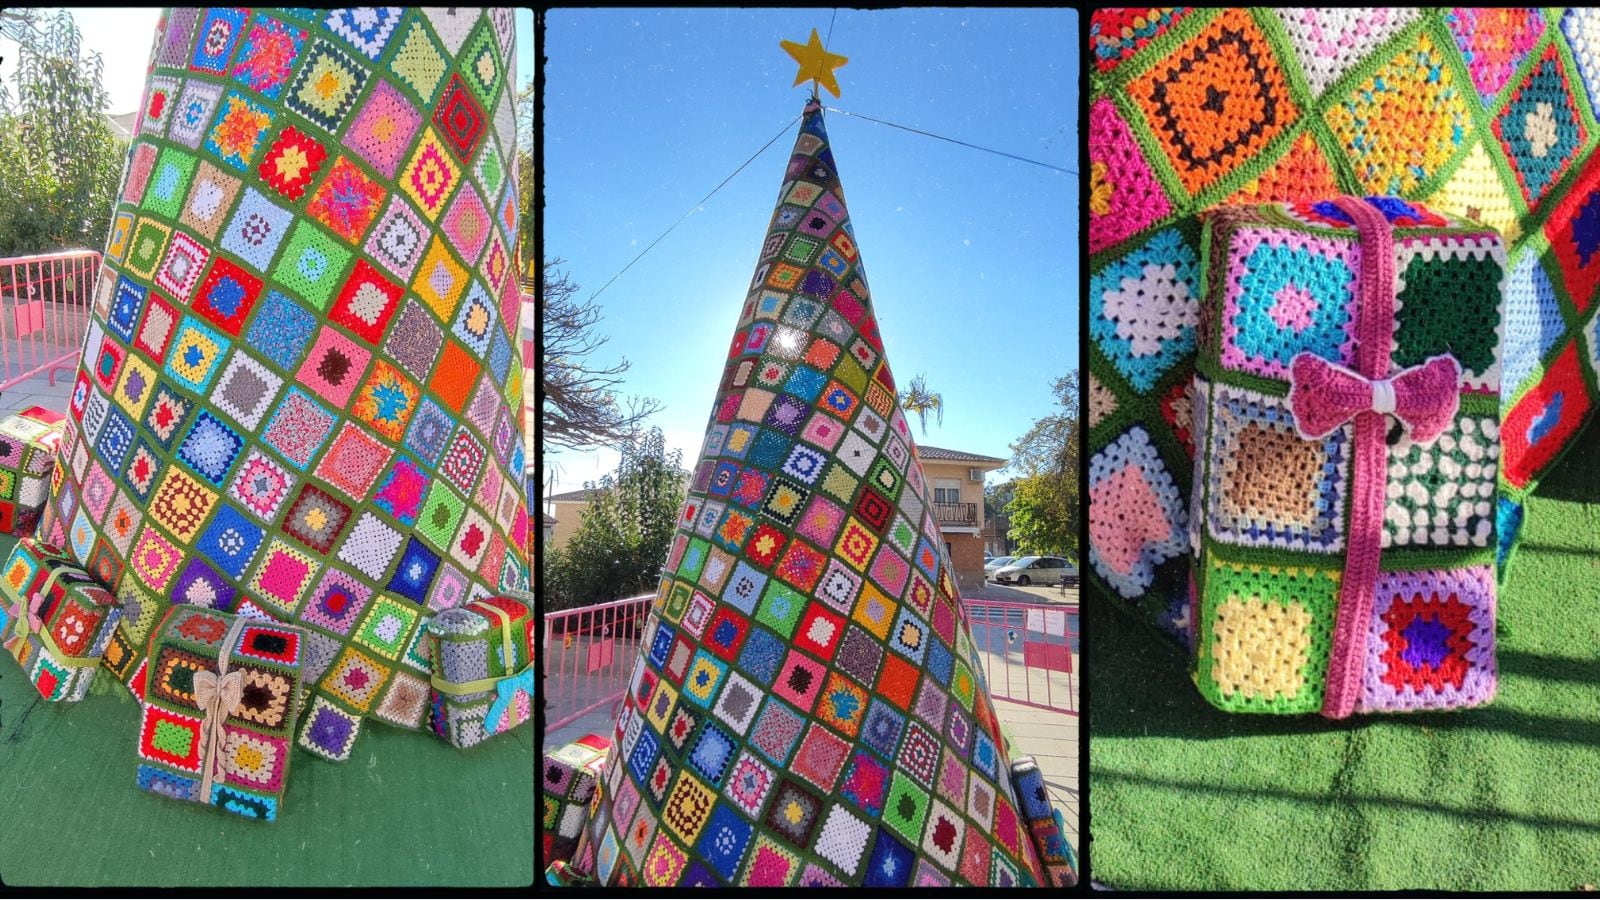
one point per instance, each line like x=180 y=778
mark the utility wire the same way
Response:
x=952 y=140
x=781 y=132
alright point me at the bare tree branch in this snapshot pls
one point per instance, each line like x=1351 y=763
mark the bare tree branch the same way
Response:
x=581 y=408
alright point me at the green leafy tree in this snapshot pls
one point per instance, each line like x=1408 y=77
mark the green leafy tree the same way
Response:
x=59 y=161
x=625 y=532
x=525 y=177
x=1045 y=505
x=996 y=497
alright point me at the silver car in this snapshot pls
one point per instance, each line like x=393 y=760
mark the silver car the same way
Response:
x=1036 y=570
x=995 y=564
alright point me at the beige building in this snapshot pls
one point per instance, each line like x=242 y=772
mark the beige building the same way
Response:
x=562 y=515
x=955 y=481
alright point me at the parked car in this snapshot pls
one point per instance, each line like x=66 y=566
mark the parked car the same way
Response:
x=1036 y=570
x=994 y=564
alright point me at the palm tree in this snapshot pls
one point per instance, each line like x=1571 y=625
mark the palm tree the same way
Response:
x=916 y=398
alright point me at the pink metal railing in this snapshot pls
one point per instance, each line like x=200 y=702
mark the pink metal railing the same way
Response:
x=44 y=309
x=588 y=656
x=1026 y=649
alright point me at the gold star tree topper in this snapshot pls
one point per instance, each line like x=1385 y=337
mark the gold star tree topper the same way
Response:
x=816 y=63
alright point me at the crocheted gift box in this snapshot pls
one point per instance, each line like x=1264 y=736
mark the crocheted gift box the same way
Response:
x=483 y=672
x=1484 y=113
x=570 y=775
x=299 y=394
x=1346 y=425
x=219 y=707
x=28 y=442
x=55 y=620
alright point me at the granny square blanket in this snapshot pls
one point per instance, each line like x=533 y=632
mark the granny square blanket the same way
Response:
x=55 y=620
x=483 y=668
x=218 y=710
x=1484 y=113
x=1347 y=438
x=300 y=391
x=808 y=708
x=568 y=781
x=28 y=443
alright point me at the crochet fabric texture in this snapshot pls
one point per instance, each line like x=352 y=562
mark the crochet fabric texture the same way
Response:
x=250 y=758
x=28 y=444
x=1486 y=114
x=300 y=392
x=55 y=620
x=567 y=783
x=1344 y=557
x=808 y=709
x=482 y=668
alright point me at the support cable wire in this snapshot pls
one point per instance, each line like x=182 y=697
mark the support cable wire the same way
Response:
x=781 y=132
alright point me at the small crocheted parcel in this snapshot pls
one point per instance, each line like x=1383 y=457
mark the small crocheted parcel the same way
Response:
x=293 y=452
x=1320 y=566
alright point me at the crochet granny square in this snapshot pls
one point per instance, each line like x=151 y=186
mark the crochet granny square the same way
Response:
x=1347 y=442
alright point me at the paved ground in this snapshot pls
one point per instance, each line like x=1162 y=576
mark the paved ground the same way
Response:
x=38 y=391
x=1033 y=593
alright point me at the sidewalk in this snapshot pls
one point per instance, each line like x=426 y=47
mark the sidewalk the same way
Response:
x=38 y=391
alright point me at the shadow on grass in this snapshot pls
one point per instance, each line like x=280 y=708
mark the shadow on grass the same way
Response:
x=1139 y=686
x=1109 y=780
x=1570 y=479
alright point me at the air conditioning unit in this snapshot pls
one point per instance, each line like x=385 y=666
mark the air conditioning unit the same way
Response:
x=975 y=475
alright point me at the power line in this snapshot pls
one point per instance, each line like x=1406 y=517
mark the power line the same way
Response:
x=781 y=132
x=952 y=140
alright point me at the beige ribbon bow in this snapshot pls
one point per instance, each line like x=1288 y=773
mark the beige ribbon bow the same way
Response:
x=217 y=694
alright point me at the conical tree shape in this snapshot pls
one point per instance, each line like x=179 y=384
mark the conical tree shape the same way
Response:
x=807 y=708
x=298 y=394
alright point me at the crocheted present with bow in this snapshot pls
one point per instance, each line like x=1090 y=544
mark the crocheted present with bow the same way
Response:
x=300 y=392
x=220 y=703
x=55 y=620
x=1483 y=113
x=1347 y=448
x=483 y=678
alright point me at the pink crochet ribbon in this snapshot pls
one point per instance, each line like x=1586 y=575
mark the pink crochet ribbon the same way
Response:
x=1323 y=396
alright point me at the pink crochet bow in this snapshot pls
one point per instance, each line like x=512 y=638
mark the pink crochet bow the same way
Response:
x=1324 y=396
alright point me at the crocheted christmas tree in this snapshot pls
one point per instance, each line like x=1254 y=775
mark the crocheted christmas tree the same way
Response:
x=1487 y=114
x=300 y=391
x=807 y=707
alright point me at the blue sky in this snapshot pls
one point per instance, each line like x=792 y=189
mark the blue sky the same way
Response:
x=972 y=257
x=122 y=37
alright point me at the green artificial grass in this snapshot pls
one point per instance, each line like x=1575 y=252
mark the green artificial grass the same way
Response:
x=407 y=809
x=1504 y=798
